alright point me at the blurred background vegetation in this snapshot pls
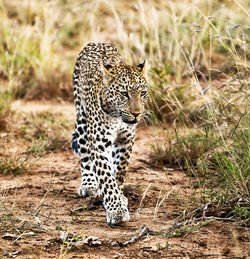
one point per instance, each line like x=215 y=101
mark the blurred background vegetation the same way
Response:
x=199 y=56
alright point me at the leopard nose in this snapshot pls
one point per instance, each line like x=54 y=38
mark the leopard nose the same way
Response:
x=136 y=114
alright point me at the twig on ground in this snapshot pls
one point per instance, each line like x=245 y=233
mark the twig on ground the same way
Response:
x=144 y=231
x=168 y=230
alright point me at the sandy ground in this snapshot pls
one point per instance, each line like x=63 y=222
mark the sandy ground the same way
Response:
x=39 y=206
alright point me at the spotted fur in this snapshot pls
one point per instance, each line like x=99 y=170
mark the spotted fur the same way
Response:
x=109 y=97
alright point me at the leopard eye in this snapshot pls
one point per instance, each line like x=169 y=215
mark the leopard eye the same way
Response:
x=125 y=94
x=143 y=93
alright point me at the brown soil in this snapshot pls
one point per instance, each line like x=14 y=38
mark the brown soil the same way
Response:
x=43 y=203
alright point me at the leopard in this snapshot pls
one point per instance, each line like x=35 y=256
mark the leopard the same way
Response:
x=110 y=98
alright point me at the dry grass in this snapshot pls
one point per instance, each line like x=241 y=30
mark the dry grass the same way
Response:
x=40 y=40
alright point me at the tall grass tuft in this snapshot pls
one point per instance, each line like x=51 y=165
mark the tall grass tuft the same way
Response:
x=212 y=143
x=28 y=43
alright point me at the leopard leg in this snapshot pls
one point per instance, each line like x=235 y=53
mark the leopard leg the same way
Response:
x=101 y=138
x=79 y=144
x=115 y=204
x=122 y=149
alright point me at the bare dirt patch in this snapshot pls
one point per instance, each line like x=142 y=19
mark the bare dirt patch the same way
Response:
x=41 y=205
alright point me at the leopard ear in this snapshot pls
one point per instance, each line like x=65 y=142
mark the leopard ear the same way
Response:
x=108 y=70
x=142 y=67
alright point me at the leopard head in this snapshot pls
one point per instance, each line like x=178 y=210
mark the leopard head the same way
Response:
x=124 y=91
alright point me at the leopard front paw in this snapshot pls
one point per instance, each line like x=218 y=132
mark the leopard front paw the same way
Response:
x=115 y=217
x=117 y=212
